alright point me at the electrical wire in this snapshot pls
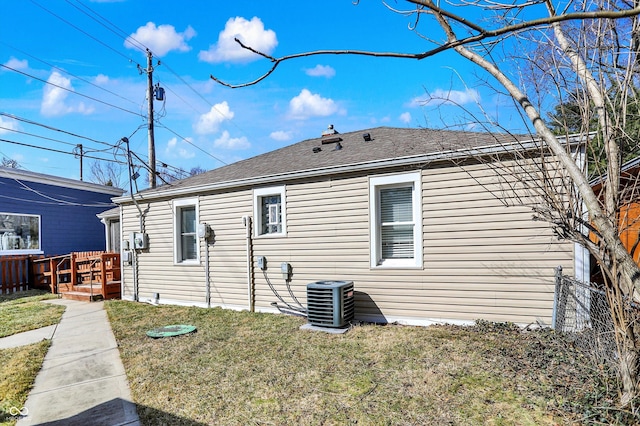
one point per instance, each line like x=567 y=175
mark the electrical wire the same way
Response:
x=199 y=95
x=55 y=201
x=302 y=310
x=58 y=151
x=70 y=91
x=37 y=136
x=192 y=144
x=142 y=47
x=68 y=73
x=135 y=43
x=82 y=31
x=55 y=129
x=113 y=28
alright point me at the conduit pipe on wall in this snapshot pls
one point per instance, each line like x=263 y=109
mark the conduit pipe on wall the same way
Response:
x=140 y=215
x=246 y=220
x=206 y=272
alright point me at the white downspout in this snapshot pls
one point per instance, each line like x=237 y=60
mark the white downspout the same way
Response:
x=246 y=220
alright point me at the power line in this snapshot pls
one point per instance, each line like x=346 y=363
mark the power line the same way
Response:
x=70 y=91
x=112 y=27
x=37 y=136
x=82 y=31
x=58 y=151
x=199 y=95
x=67 y=72
x=192 y=144
x=35 y=123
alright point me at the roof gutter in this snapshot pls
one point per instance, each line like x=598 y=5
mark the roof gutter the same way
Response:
x=370 y=165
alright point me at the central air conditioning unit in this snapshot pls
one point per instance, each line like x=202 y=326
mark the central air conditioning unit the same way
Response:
x=330 y=303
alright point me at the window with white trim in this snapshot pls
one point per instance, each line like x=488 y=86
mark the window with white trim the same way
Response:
x=20 y=234
x=269 y=211
x=396 y=221
x=185 y=213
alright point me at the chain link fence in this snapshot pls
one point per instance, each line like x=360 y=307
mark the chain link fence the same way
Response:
x=581 y=312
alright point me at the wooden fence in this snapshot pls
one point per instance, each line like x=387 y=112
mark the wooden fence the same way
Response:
x=14 y=273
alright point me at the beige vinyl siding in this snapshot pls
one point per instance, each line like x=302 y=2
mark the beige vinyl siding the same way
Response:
x=498 y=261
x=228 y=255
x=327 y=235
x=156 y=270
x=481 y=260
x=186 y=284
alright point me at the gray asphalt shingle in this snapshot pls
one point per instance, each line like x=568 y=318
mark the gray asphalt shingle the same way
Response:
x=386 y=143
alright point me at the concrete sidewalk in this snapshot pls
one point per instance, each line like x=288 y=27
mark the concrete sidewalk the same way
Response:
x=82 y=380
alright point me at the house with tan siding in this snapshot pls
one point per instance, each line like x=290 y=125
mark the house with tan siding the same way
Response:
x=411 y=216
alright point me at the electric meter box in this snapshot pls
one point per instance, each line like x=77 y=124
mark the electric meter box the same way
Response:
x=204 y=231
x=127 y=257
x=138 y=240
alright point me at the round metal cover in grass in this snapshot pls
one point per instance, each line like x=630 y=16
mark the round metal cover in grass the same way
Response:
x=171 y=330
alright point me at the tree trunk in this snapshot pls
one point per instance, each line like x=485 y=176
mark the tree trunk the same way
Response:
x=625 y=282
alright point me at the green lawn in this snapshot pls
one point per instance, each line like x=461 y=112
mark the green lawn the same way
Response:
x=18 y=370
x=244 y=368
x=24 y=311
x=19 y=366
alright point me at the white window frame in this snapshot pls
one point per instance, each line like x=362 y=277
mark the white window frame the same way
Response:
x=22 y=251
x=401 y=180
x=258 y=194
x=178 y=205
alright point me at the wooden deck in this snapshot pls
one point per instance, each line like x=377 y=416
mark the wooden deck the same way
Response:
x=84 y=276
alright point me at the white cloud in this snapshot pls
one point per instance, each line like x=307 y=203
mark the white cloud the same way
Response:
x=405 y=117
x=17 y=64
x=281 y=136
x=441 y=96
x=54 y=100
x=161 y=39
x=210 y=122
x=251 y=33
x=101 y=79
x=320 y=71
x=177 y=149
x=227 y=142
x=8 y=125
x=308 y=104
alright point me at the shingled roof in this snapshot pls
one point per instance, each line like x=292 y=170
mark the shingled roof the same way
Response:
x=338 y=151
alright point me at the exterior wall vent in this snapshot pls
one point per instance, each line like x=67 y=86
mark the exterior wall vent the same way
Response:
x=330 y=303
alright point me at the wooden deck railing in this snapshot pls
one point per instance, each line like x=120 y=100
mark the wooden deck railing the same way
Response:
x=96 y=272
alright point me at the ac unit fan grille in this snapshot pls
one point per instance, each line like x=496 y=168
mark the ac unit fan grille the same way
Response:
x=330 y=303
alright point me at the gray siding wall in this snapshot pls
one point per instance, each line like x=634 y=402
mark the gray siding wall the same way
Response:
x=482 y=260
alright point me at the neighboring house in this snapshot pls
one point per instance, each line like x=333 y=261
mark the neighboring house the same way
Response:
x=42 y=214
x=111 y=221
x=629 y=214
x=403 y=213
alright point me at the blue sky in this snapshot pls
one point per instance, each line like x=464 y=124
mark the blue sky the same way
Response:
x=82 y=46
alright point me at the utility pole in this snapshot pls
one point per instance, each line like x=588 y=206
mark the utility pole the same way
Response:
x=80 y=152
x=152 y=144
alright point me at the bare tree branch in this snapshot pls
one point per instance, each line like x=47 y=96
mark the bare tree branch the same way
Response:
x=482 y=35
